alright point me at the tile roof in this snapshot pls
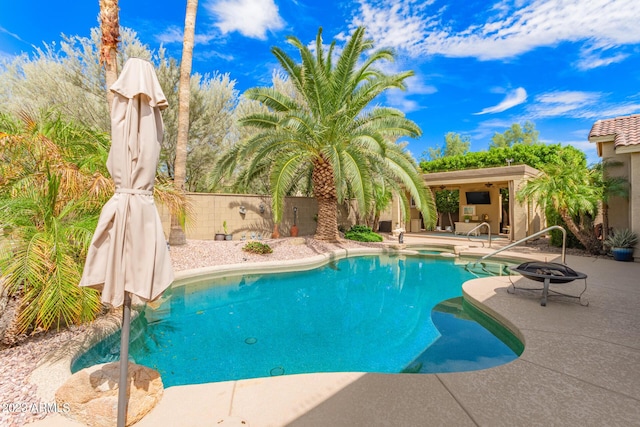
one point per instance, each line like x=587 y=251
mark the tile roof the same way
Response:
x=625 y=130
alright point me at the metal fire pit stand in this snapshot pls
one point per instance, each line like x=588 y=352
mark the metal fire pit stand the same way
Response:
x=547 y=279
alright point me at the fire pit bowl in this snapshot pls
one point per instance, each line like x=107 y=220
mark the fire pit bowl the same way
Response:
x=548 y=272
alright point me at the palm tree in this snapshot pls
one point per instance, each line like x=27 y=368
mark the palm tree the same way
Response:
x=573 y=192
x=382 y=198
x=110 y=29
x=53 y=184
x=177 y=236
x=332 y=136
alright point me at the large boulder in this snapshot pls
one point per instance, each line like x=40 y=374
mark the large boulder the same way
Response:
x=90 y=396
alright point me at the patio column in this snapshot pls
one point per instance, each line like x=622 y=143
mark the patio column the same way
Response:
x=512 y=195
x=519 y=212
x=634 y=199
x=397 y=221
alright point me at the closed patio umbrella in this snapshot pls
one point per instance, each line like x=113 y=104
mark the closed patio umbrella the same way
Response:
x=128 y=254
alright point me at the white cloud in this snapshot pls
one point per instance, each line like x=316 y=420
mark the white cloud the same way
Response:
x=9 y=33
x=415 y=87
x=595 y=57
x=5 y=56
x=582 y=144
x=251 y=18
x=211 y=53
x=507 y=28
x=577 y=104
x=398 y=99
x=174 y=34
x=512 y=99
x=398 y=23
x=624 y=109
x=488 y=128
x=564 y=103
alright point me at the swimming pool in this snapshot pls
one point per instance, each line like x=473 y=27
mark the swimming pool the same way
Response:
x=362 y=314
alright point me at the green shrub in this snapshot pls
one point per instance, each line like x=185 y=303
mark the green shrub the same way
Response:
x=535 y=155
x=553 y=218
x=362 y=233
x=257 y=248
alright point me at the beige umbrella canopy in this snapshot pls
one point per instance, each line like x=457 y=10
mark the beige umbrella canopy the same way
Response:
x=129 y=250
x=128 y=254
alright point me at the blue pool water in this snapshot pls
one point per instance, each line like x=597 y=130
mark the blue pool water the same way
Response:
x=365 y=314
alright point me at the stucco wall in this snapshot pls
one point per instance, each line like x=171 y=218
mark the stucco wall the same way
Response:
x=209 y=211
x=634 y=198
x=493 y=210
x=619 y=207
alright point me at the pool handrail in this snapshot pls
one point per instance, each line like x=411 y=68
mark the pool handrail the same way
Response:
x=477 y=227
x=553 y=227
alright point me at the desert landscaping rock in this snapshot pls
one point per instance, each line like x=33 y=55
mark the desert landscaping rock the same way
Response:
x=90 y=396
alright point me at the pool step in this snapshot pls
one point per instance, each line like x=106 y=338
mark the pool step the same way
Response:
x=486 y=269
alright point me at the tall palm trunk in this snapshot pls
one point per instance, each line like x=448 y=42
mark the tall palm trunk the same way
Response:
x=324 y=190
x=376 y=221
x=177 y=236
x=110 y=29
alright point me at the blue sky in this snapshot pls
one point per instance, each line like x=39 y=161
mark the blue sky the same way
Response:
x=480 y=65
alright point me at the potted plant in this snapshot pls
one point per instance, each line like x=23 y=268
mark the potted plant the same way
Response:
x=227 y=235
x=622 y=243
x=467 y=218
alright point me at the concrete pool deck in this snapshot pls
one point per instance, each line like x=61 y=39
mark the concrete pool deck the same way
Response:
x=580 y=366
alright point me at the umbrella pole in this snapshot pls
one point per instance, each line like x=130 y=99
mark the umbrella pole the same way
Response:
x=123 y=385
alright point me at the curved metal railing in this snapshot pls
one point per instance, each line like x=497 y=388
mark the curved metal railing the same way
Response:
x=477 y=227
x=553 y=227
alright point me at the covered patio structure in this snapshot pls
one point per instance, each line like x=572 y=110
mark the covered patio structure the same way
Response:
x=482 y=192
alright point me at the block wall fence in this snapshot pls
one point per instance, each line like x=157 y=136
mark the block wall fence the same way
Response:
x=247 y=214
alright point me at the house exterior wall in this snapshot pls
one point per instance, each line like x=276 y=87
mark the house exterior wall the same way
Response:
x=619 y=207
x=634 y=198
x=520 y=212
x=624 y=213
x=494 y=210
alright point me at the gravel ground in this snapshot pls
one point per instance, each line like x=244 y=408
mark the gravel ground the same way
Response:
x=20 y=404
x=543 y=245
x=204 y=253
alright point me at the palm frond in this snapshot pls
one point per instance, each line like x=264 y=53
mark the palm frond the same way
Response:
x=272 y=99
x=260 y=121
x=356 y=172
x=283 y=175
